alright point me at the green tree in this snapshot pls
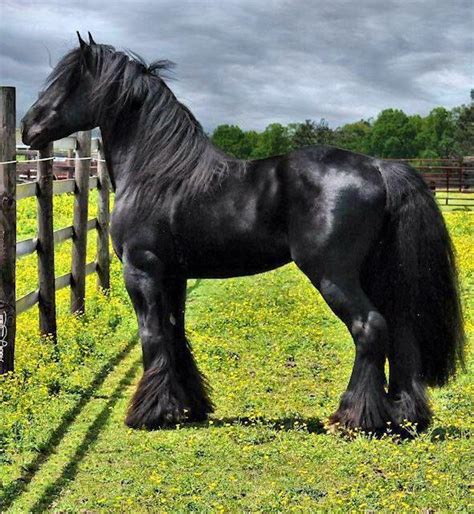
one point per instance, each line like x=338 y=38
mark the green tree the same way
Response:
x=353 y=136
x=274 y=140
x=392 y=135
x=232 y=140
x=436 y=134
x=311 y=133
x=463 y=133
x=253 y=138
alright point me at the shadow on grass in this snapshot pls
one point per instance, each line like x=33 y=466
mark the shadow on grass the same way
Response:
x=313 y=425
x=449 y=432
x=196 y=284
x=16 y=488
x=288 y=424
x=68 y=474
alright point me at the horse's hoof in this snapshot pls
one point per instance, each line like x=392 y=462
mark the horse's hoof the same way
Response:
x=166 y=418
x=343 y=423
x=333 y=428
x=402 y=430
x=412 y=410
x=335 y=425
x=369 y=412
x=156 y=418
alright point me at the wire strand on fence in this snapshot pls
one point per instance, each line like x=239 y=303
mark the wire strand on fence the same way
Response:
x=37 y=160
x=54 y=159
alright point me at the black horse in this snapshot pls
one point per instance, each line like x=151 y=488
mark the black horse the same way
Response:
x=366 y=232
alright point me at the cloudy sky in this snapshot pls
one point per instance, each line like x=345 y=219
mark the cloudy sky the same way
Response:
x=253 y=62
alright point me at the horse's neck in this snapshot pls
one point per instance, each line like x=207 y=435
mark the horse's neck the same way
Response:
x=127 y=140
x=118 y=138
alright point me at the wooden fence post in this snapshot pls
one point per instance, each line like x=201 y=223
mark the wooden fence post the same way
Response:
x=103 y=219
x=7 y=228
x=79 y=244
x=70 y=162
x=45 y=248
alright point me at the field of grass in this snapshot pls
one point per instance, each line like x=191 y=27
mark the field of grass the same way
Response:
x=277 y=359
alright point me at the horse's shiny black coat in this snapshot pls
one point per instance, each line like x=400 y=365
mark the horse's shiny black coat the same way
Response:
x=261 y=218
x=367 y=233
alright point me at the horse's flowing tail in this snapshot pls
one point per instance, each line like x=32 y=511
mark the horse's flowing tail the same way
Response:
x=411 y=276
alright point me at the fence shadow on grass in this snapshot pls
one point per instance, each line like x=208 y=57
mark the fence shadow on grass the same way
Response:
x=196 y=284
x=13 y=490
x=16 y=488
x=288 y=424
x=53 y=491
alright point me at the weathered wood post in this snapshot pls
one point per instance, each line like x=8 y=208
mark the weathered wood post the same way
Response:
x=81 y=200
x=70 y=162
x=7 y=228
x=45 y=248
x=103 y=219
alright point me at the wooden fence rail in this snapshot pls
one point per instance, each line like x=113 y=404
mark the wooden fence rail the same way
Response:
x=43 y=244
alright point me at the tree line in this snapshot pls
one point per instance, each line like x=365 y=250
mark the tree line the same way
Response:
x=393 y=134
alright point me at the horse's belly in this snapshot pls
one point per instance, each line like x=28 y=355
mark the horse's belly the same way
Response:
x=233 y=258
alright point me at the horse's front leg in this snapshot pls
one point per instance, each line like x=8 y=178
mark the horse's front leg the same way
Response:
x=171 y=389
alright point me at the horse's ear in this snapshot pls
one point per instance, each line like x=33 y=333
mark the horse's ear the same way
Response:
x=91 y=40
x=86 y=52
x=82 y=43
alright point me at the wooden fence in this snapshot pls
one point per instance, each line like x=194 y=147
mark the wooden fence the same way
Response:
x=64 y=162
x=43 y=188
x=450 y=179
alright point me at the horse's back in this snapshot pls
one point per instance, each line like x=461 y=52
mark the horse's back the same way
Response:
x=336 y=167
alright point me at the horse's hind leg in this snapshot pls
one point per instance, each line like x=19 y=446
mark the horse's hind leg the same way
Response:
x=330 y=240
x=171 y=389
x=406 y=389
x=364 y=405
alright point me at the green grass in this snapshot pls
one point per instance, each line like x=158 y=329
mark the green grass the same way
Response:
x=455 y=201
x=278 y=360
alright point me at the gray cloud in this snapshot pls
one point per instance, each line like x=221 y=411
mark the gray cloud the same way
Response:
x=253 y=62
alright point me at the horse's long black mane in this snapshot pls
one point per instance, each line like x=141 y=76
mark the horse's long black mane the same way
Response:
x=171 y=147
